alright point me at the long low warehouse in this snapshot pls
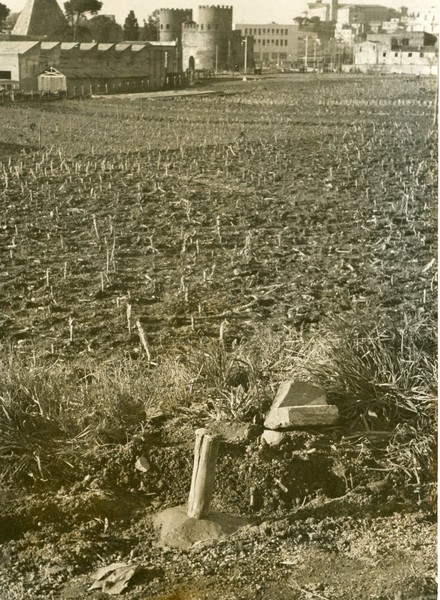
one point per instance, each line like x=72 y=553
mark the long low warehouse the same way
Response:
x=78 y=68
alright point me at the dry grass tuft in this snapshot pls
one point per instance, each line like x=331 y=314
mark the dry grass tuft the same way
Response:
x=380 y=374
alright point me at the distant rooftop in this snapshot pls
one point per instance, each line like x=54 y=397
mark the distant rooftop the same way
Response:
x=17 y=47
x=49 y=45
x=69 y=45
x=86 y=46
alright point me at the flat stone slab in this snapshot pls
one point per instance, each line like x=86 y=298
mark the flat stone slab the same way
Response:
x=300 y=404
x=180 y=531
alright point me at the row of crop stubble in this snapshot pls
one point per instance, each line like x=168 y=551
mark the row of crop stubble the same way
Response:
x=273 y=208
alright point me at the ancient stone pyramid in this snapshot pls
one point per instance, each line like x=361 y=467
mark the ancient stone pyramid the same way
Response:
x=40 y=18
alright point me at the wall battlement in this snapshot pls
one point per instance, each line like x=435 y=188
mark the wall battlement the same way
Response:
x=215 y=18
x=171 y=21
x=175 y=11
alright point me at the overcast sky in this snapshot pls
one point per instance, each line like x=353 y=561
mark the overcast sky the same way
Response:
x=281 y=11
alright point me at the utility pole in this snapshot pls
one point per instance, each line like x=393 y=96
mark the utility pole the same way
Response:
x=306 y=53
x=178 y=69
x=216 y=59
x=245 y=54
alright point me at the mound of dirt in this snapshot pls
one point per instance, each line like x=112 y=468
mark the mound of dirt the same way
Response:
x=314 y=529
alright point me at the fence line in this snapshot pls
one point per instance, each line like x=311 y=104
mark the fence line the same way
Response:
x=85 y=89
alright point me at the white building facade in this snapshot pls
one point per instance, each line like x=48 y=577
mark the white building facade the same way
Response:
x=274 y=44
x=424 y=20
x=377 y=56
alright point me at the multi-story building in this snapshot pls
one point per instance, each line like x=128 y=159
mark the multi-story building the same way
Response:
x=318 y=10
x=392 y=25
x=414 y=39
x=274 y=44
x=365 y=14
x=415 y=53
x=424 y=20
x=326 y=10
x=345 y=34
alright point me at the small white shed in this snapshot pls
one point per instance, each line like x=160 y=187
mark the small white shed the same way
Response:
x=51 y=80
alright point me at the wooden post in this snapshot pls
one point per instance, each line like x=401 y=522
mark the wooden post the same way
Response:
x=203 y=477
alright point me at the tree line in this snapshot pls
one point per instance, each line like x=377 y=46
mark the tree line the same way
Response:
x=83 y=23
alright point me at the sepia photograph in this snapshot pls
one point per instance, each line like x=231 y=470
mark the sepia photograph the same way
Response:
x=218 y=300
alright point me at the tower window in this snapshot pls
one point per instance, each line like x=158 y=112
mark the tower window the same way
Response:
x=167 y=26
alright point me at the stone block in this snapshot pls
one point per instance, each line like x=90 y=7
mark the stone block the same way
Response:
x=300 y=404
x=142 y=464
x=273 y=438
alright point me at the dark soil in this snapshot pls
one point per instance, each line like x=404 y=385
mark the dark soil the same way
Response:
x=274 y=214
x=318 y=537
x=291 y=202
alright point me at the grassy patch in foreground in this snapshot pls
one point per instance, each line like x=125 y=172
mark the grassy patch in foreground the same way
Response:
x=380 y=375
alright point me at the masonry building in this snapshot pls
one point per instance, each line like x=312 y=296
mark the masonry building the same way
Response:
x=210 y=43
x=403 y=53
x=32 y=61
x=274 y=44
